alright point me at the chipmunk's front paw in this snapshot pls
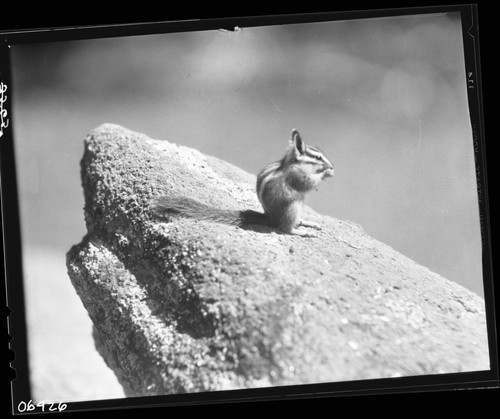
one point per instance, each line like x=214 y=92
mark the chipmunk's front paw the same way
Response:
x=310 y=224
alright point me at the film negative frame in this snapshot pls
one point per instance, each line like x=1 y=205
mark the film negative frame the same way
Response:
x=20 y=386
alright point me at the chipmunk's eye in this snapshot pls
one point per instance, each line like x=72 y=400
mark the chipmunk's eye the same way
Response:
x=318 y=158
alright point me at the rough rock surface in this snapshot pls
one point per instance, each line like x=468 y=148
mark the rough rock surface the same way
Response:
x=182 y=305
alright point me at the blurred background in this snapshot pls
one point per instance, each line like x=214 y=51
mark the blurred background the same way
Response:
x=384 y=98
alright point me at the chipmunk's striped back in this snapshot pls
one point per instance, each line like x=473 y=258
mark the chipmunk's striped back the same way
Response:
x=265 y=176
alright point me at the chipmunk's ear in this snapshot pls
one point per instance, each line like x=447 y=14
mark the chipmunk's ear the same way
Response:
x=297 y=142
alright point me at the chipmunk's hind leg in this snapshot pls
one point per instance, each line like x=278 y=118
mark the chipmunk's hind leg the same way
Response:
x=302 y=233
x=310 y=224
x=290 y=221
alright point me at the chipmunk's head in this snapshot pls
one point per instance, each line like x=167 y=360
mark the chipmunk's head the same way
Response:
x=311 y=159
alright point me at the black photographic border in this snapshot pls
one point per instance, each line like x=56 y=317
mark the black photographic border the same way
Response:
x=15 y=313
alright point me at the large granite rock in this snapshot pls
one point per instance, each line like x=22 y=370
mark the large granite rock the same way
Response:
x=182 y=305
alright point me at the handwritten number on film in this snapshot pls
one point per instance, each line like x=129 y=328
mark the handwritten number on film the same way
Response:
x=4 y=122
x=45 y=406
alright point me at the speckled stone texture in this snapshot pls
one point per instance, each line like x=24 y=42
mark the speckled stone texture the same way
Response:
x=181 y=305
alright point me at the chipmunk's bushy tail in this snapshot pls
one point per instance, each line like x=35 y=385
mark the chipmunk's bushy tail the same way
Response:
x=192 y=208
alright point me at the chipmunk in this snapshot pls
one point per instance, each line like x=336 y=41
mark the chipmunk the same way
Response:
x=281 y=189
